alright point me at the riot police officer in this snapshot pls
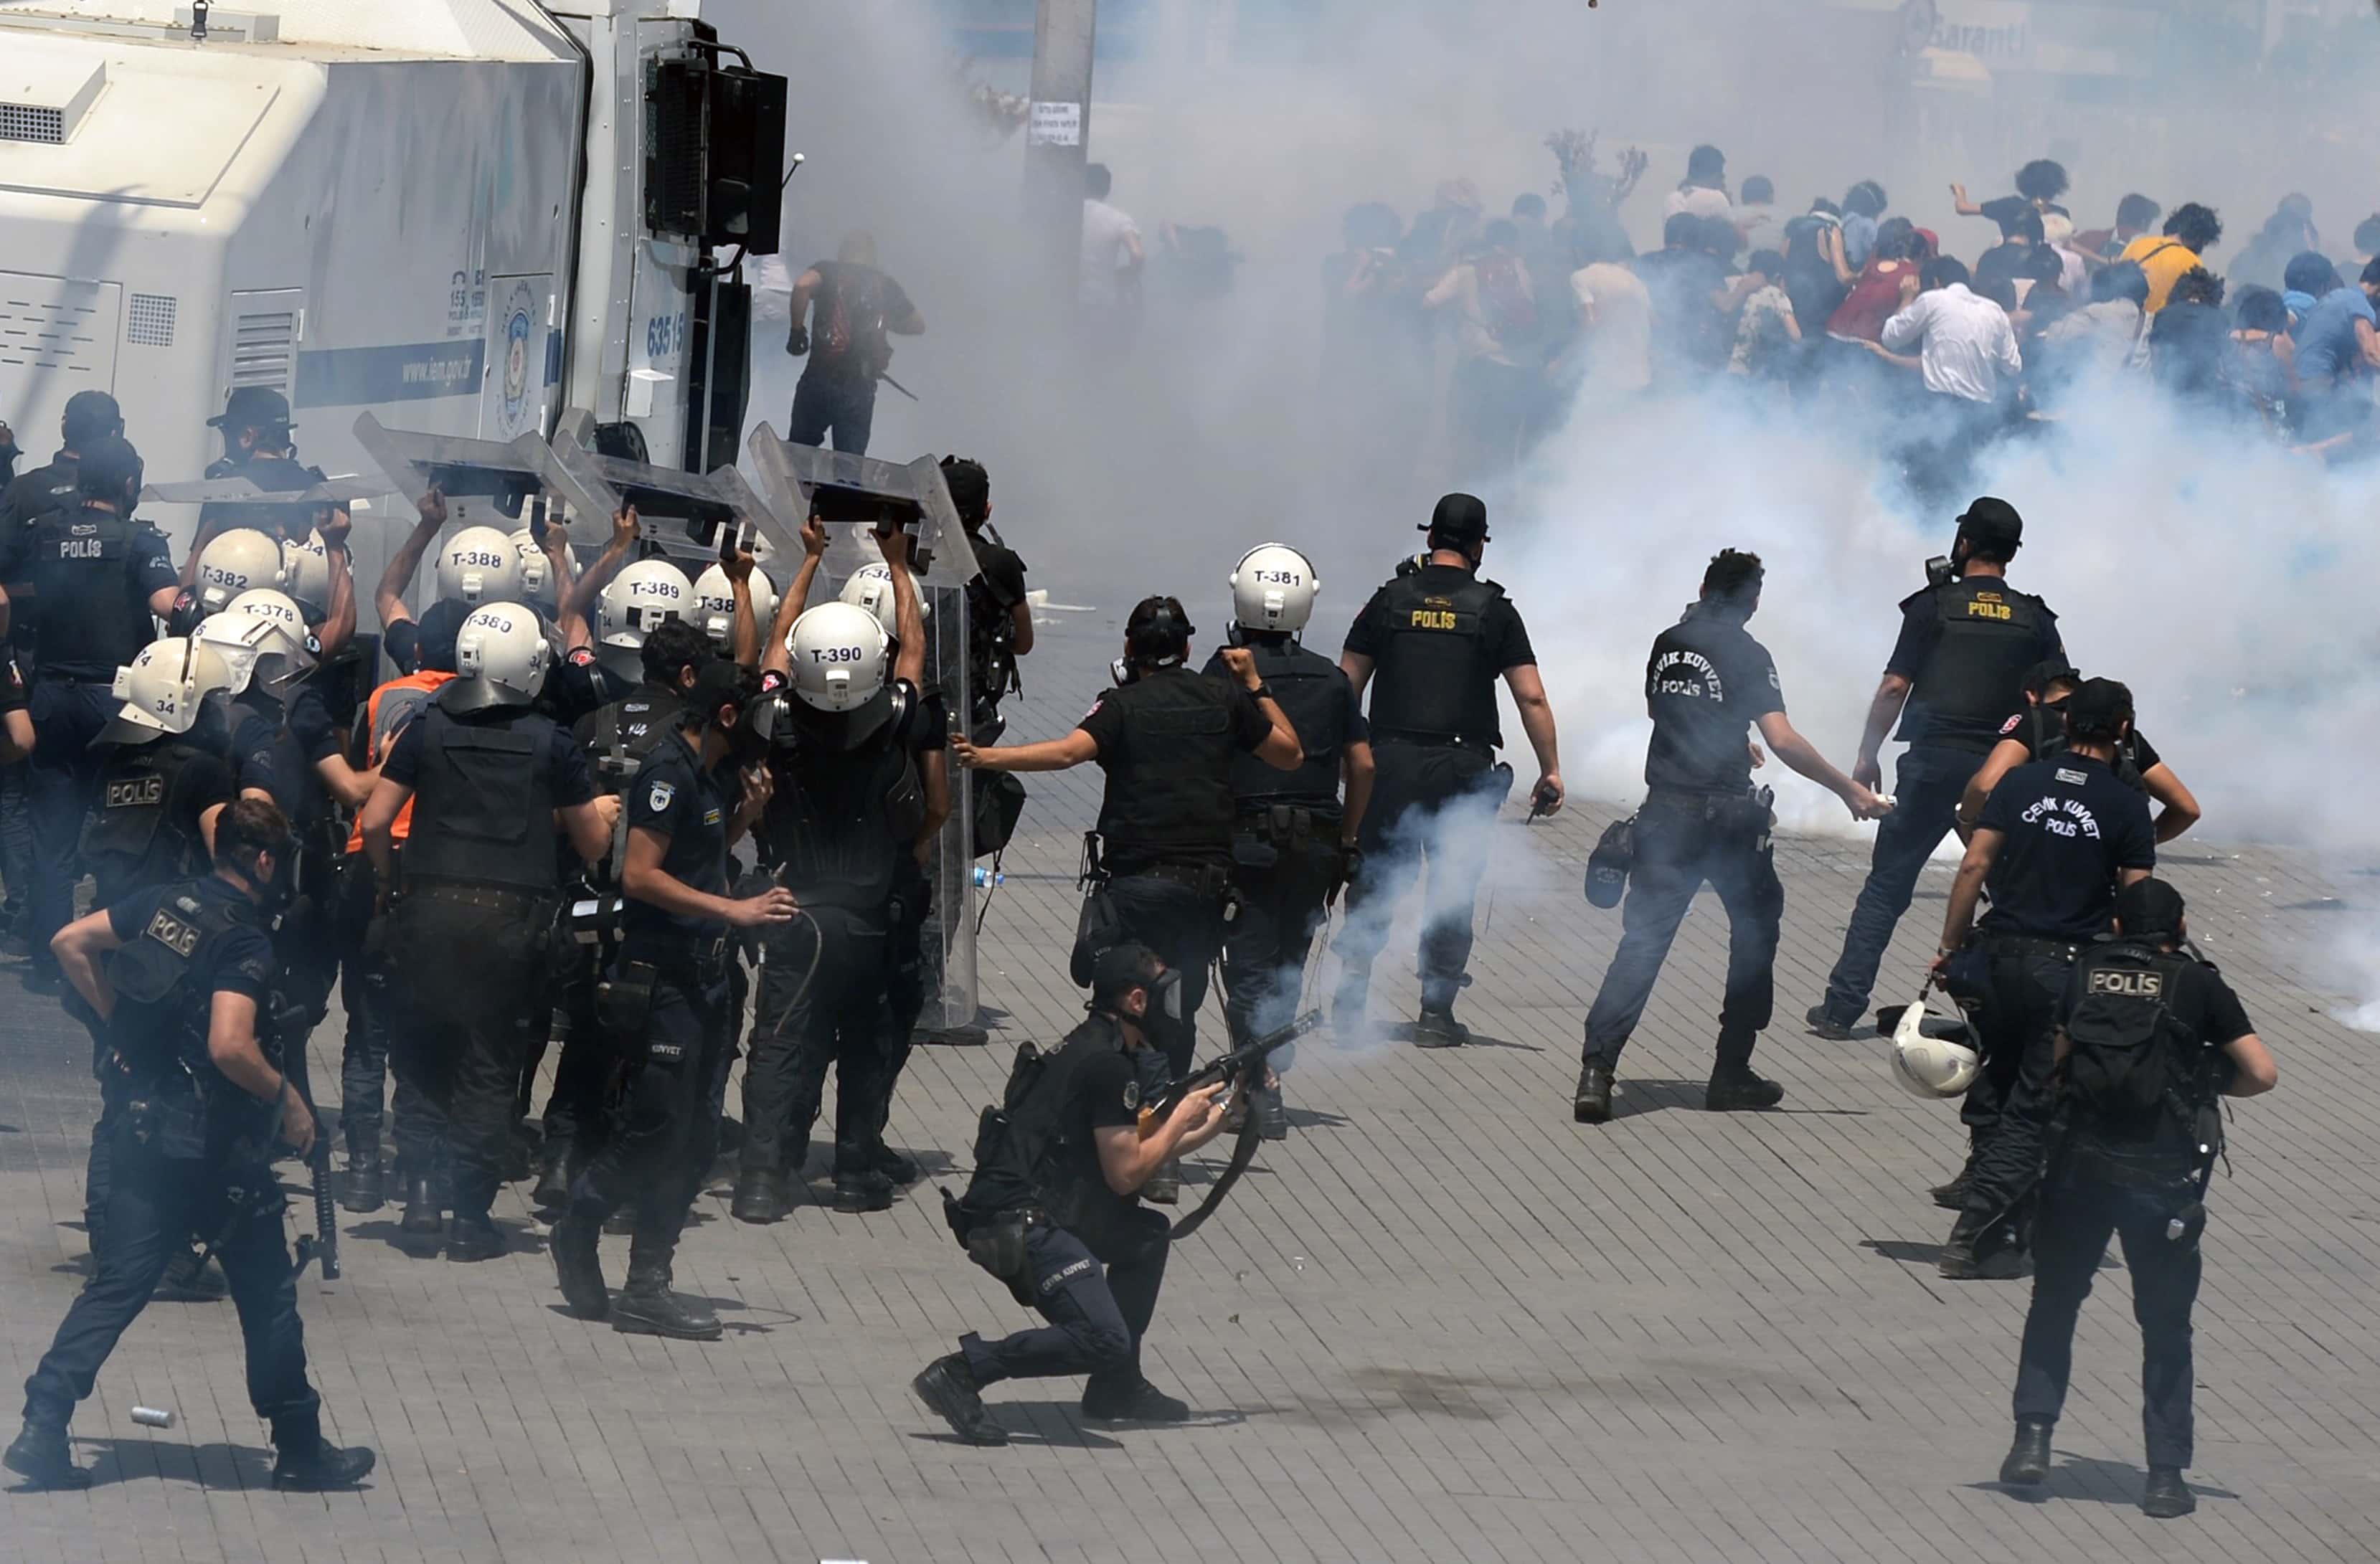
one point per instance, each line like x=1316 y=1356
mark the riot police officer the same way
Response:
x=1437 y=637
x=1706 y=684
x=97 y=576
x=2056 y=839
x=257 y=430
x=184 y=1000
x=1054 y=1209
x=1165 y=736
x=1294 y=840
x=848 y=814
x=497 y=788
x=2149 y=1037
x=666 y=1004
x=1956 y=672
x=90 y=417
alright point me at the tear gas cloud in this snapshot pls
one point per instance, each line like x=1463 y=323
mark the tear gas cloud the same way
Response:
x=2223 y=577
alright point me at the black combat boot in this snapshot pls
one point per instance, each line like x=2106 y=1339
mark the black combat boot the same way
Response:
x=902 y=1170
x=762 y=1195
x=2167 y=1497
x=305 y=1463
x=551 y=1190
x=424 y=1217
x=1435 y=1027
x=1592 y=1102
x=41 y=1457
x=860 y=1190
x=1959 y=1262
x=1272 y=1113
x=2028 y=1457
x=578 y=1265
x=951 y=1393
x=1952 y=1196
x=1136 y=1400
x=647 y=1307
x=474 y=1238
x=366 y=1190
x=1825 y=1026
x=1735 y=1089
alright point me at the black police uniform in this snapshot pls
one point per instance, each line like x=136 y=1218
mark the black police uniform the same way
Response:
x=1439 y=638
x=1166 y=741
x=32 y=495
x=666 y=1013
x=1073 y=1225
x=580 y=686
x=839 y=833
x=1964 y=647
x=146 y=832
x=2041 y=728
x=1707 y=682
x=1286 y=857
x=29 y=496
x=472 y=934
x=2069 y=829
x=93 y=573
x=276 y=743
x=2137 y=1174
x=192 y=1155
x=272 y=475
x=993 y=596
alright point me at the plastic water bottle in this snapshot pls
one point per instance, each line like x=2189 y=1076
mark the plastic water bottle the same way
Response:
x=984 y=877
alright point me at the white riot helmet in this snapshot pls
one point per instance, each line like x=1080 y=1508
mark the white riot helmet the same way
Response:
x=235 y=562
x=261 y=638
x=1272 y=589
x=537 y=571
x=306 y=573
x=640 y=598
x=841 y=657
x=163 y=687
x=871 y=587
x=1932 y=1056
x=500 y=656
x=714 y=602
x=479 y=564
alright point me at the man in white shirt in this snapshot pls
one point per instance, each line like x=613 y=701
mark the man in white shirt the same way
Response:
x=1965 y=345
x=1112 y=254
x=1704 y=193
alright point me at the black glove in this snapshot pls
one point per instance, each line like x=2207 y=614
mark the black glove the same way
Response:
x=798 y=342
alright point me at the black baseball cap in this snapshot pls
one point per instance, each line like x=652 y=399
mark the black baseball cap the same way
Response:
x=108 y=466
x=253 y=406
x=436 y=633
x=90 y=415
x=1459 y=518
x=718 y=681
x=2149 y=908
x=1116 y=971
x=2099 y=706
x=1990 y=521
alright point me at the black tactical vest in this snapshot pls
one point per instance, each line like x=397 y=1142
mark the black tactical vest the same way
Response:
x=483 y=802
x=272 y=475
x=841 y=822
x=622 y=734
x=1169 y=777
x=2134 y=1074
x=132 y=840
x=93 y=621
x=160 y=1027
x=1311 y=693
x=1975 y=676
x=1428 y=684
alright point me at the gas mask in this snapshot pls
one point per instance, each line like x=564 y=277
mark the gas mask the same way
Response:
x=1941 y=572
x=1164 y=1021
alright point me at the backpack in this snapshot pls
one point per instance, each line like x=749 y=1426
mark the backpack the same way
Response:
x=2131 y=1066
x=1504 y=299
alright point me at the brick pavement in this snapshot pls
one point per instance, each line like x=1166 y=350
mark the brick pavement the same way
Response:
x=1441 y=1323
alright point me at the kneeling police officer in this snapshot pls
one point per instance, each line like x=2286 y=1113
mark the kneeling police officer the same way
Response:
x=184 y=1000
x=1056 y=1197
x=2148 y=1039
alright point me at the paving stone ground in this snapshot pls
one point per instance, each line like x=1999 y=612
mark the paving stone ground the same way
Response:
x=1441 y=1323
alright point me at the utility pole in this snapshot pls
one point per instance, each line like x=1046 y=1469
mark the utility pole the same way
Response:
x=1057 y=132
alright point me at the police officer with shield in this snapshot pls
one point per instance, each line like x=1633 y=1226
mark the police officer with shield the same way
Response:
x=1294 y=842
x=205 y=1101
x=2149 y=1037
x=1956 y=672
x=496 y=790
x=1430 y=646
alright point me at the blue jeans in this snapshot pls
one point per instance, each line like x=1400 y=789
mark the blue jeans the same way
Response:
x=1927 y=784
x=66 y=717
x=842 y=404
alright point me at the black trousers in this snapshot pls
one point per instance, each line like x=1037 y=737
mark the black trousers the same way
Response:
x=1184 y=926
x=1098 y=1317
x=1680 y=847
x=471 y=961
x=821 y=402
x=1282 y=908
x=366 y=1062
x=2079 y=1210
x=153 y=1206
x=573 y=1121
x=661 y=1134
x=1434 y=804
x=842 y=1021
x=59 y=782
x=2006 y=1109
x=1929 y=782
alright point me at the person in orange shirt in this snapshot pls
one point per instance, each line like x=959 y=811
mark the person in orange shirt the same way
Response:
x=2190 y=233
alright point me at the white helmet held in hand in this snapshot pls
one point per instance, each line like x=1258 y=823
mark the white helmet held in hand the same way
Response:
x=537 y=571
x=500 y=656
x=841 y=657
x=871 y=587
x=714 y=602
x=1272 y=589
x=479 y=564
x=306 y=573
x=236 y=561
x=1927 y=1064
x=163 y=687
x=261 y=638
x=641 y=597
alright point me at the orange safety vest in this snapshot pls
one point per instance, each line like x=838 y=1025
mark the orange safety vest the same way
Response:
x=418 y=688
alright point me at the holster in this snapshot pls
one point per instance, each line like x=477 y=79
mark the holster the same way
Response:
x=1742 y=817
x=1098 y=928
x=995 y=1242
x=625 y=1004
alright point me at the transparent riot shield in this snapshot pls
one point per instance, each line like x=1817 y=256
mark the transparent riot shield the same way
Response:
x=855 y=496
x=487 y=482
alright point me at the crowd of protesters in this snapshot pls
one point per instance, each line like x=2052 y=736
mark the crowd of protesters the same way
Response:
x=1850 y=305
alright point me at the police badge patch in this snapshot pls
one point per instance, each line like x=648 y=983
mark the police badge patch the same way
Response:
x=1132 y=1096
x=659 y=799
